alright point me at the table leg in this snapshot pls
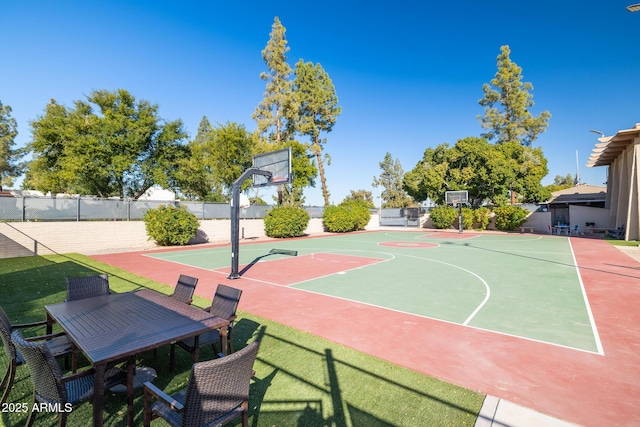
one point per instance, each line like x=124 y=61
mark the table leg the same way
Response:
x=49 y=324
x=98 y=397
x=196 y=351
x=224 y=340
x=131 y=364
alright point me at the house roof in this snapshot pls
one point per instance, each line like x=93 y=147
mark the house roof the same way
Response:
x=610 y=147
x=579 y=194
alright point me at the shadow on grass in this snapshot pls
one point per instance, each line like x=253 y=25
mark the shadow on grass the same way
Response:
x=299 y=380
x=336 y=400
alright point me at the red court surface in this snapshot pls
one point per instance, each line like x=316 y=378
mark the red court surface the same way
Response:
x=577 y=386
x=291 y=270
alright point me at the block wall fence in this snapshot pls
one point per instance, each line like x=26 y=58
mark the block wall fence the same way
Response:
x=92 y=237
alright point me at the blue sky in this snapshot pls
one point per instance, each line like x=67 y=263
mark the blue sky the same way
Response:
x=408 y=74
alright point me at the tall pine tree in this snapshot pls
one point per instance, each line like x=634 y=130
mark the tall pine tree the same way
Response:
x=506 y=103
x=319 y=111
x=276 y=113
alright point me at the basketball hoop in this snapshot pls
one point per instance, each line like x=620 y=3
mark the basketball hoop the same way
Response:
x=244 y=202
x=457 y=199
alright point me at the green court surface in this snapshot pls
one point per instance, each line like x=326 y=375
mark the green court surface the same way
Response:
x=521 y=285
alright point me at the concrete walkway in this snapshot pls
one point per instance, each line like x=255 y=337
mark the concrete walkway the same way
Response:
x=496 y=412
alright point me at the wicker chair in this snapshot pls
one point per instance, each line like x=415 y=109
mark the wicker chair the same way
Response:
x=58 y=345
x=217 y=393
x=50 y=386
x=87 y=287
x=224 y=304
x=185 y=288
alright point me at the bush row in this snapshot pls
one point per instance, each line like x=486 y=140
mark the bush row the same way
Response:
x=508 y=218
x=171 y=225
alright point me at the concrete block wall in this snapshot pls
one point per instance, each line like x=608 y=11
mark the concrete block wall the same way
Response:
x=91 y=237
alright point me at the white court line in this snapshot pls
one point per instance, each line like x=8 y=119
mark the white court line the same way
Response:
x=484 y=282
x=422 y=316
x=594 y=328
x=392 y=256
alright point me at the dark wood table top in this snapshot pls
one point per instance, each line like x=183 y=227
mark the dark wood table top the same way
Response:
x=112 y=327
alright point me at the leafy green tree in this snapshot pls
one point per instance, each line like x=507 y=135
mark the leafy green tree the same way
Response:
x=363 y=196
x=50 y=134
x=276 y=113
x=393 y=193
x=231 y=150
x=108 y=145
x=561 y=182
x=10 y=157
x=530 y=167
x=507 y=101
x=195 y=174
x=472 y=164
x=319 y=110
x=304 y=173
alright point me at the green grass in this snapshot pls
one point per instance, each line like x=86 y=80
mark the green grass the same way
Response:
x=617 y=242
x=301 y=380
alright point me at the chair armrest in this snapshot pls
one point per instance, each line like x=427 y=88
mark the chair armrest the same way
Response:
x=151 y=389
x=29 y=325
x=45 y=337
x=208 y=309
x=75 y=376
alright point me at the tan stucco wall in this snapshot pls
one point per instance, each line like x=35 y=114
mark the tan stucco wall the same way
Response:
x=623 y=187
x=91 y=237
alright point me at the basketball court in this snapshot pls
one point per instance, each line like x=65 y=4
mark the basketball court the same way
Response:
x=544 y=321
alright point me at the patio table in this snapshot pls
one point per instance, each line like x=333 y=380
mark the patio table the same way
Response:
x=116 y=327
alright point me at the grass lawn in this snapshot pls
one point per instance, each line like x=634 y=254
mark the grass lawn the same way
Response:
x=617 y=242
x=301 y=380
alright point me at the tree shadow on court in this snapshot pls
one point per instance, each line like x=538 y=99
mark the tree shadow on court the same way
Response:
x=565 y=264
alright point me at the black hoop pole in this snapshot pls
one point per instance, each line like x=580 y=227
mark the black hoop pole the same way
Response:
x=460 y=217
x=235 y=217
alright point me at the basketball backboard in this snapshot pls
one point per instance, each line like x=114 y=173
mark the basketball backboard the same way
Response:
x=456 y=198
x=277 y=163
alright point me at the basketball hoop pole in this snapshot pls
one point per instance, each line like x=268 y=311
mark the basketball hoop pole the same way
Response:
x=459 y=217
x=235 y=217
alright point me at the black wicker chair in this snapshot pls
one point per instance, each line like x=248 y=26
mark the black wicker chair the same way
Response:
x=217 y=393
x=224 y=304
x=185 y=288
x=58 y=344
x=87 y=287
x=51 y=387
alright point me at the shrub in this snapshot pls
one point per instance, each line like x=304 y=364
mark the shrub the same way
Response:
x=171 y=225
x=509 y=218
x=481 y=217
x=350 y=215
x=443 y=216
x=286 y=221
x=467 y=218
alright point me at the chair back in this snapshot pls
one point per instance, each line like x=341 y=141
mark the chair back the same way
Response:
x=5 y=334
x=43 y=369
x=225 y=301
x=87 y=287
x=219 y=386
x=185 y=288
